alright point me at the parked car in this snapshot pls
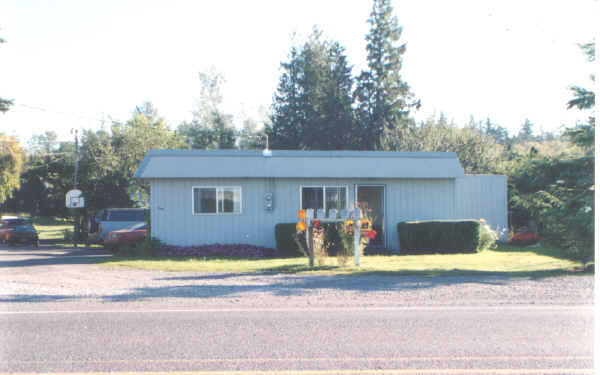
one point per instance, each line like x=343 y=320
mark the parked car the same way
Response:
x=111 y=219
x=18 y=230
x=124 y=237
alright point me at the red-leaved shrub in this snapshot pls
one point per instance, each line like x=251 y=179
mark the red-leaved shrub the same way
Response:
x=217 y=250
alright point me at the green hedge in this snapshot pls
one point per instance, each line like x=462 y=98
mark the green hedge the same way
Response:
x=284 y=240
x=439 y=237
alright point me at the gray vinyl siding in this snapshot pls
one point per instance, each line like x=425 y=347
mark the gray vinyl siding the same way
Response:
x=410 y=200
x=483 y=196
x=173 y=221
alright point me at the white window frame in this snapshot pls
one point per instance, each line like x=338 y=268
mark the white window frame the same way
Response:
x=323 y=189
x=218 y=195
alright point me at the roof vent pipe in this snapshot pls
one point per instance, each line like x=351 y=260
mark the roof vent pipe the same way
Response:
x=266 y=152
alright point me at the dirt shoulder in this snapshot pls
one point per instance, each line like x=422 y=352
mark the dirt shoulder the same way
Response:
x=55 y=278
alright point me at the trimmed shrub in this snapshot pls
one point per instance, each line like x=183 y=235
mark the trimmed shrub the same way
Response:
x=146 y=248
x=285 y=242
x=439 y=237
x=287 y=245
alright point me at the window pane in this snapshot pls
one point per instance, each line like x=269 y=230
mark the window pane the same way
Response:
x=227 y=205
x=205 y=200
x=335 y=198
x=230 y=200
x=312 y=198
x=237 y=200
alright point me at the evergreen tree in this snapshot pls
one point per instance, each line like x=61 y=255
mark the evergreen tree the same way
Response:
x=312 y=107
x=384 y=99
x=526 y=132
x=583 y=99
x=499 y=133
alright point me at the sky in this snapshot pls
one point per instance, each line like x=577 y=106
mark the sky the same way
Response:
x=79 y=64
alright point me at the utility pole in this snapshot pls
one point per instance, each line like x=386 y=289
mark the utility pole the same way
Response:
x=76 y=229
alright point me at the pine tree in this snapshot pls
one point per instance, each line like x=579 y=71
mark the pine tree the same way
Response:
x=526 y=132
x=312 y=107
x=384 y=99
x=584 y=99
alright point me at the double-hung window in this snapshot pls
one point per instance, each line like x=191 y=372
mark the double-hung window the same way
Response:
x=325 y=197
x=217 y=200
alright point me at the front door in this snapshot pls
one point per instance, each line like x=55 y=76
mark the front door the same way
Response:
x=371 y=200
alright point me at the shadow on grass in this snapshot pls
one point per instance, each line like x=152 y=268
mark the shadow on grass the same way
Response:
x=293 y=279
x=51 y=255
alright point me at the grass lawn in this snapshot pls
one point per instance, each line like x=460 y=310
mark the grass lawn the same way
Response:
x=52 y=228
x=506 y=260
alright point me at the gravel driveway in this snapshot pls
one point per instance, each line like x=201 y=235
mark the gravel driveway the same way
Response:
x=51 y=277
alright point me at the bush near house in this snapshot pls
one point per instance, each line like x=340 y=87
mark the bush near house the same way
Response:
x=439 y=237
x=287 y=246
x=284 y=240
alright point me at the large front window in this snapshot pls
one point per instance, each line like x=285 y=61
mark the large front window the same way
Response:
x=326 y=197
x=217 y=200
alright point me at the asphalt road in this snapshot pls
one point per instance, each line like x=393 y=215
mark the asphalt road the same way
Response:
x=62 y=313
x=420 y=340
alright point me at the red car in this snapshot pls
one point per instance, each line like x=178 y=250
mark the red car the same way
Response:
x=125 y=237
x=18 y=230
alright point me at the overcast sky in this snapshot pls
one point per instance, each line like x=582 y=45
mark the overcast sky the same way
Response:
x=69 y=63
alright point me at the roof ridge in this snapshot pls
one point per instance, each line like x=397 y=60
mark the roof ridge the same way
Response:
x=305 y=153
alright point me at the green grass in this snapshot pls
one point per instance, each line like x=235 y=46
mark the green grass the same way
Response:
x=506 y=260
x=52 y=228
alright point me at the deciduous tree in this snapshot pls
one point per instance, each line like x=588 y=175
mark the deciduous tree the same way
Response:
x=5 y=103
x=11 y=163
x=210 y=128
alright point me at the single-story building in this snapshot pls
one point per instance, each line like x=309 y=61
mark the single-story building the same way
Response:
x=231 y=196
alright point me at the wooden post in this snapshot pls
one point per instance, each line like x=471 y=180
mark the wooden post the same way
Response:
x=309 y=240
x=357 y=216
x=357 y=242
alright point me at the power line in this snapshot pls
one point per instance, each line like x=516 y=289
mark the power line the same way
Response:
x=62 y=113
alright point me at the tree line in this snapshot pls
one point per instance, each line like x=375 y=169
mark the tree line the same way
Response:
x=320 y=105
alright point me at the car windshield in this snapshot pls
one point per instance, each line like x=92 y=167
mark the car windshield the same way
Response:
x=137 y=226
x=25 y=227
x=126 y=215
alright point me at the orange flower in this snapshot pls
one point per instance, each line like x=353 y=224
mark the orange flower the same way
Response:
x=301 y=214
x=365 y=223
x=300 y=227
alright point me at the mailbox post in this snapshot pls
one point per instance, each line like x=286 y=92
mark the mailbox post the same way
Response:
x=357 y=216
x=307 y=218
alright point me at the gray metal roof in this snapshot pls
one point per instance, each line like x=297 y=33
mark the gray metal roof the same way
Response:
x=297 y=164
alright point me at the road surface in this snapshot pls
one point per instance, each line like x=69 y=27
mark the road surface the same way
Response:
x=61 y=313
